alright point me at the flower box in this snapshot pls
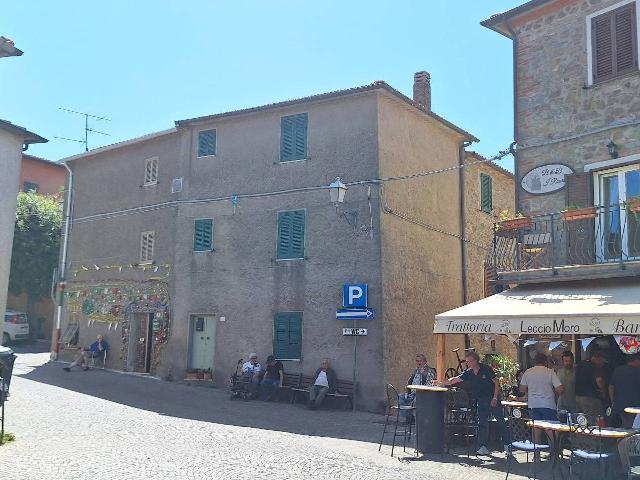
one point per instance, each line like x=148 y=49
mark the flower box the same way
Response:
x=515 y=223
x=575 y=214
x=191 y=376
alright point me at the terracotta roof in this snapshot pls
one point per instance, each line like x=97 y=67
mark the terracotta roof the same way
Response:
x=8 y=49
x=495 y=20
x=493 y=165
x=42 y=160
x=378 y=85
x=29 y=137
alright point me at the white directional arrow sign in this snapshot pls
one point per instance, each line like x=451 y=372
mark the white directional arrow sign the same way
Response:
x=354 y=331
x=355 y=314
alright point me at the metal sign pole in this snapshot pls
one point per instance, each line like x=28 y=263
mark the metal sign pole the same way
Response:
x=355 y=360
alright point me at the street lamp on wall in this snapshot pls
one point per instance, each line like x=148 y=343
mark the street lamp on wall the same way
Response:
x=337 y=189
x=613 y=149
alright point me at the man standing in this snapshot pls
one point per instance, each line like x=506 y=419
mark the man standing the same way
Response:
x=624 y=389
x=541 y=384
x=486 y=390
x=326 y=382
x=97 y=349
x=567 y=376
x=591 y=381
x=273 y=378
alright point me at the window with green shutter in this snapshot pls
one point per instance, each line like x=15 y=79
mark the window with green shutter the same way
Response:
x=290 y=235
x=287 y=336
x=486 y=193
x=203 y=235
x=293 y=137
x=206 y=143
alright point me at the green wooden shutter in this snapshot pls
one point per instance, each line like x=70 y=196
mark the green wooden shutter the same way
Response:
x=293 y=137
x=291 y=234
x=486 y=193
x=206 y=143
x=287 y=335
x=203 y=235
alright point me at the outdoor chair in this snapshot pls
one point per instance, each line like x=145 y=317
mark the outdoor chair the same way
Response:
x=588 y=450
x=461 y=419
x=393 y=406
x=629 y=450
x=522 y=438
x=97 y=359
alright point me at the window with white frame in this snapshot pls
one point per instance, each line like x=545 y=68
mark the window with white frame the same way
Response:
x=151 y=171
x=617 y=192
x=613 y=41
x=147 y=240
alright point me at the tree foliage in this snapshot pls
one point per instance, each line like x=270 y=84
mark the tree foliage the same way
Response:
x=36 y=243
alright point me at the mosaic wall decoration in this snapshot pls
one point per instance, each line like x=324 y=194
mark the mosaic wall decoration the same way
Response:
x=114 y=303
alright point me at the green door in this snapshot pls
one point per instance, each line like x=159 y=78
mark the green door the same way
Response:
x=202 y=341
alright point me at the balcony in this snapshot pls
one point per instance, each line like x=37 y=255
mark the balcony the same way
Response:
x=596 y=242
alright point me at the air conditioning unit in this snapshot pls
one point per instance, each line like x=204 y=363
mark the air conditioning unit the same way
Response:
x=176 y=185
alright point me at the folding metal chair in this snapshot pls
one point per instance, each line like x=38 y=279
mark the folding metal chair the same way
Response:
x=393 y=405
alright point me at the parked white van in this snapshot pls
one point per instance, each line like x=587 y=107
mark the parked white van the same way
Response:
x=16 y=326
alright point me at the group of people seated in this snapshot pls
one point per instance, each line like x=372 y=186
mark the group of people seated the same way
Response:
x=266 y=382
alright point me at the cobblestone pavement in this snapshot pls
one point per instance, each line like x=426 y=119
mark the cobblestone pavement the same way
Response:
x=107 y=425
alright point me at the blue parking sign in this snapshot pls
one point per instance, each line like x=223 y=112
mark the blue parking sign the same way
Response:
x=354 y=295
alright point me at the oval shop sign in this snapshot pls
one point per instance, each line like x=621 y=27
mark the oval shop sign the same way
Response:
x=545 y=179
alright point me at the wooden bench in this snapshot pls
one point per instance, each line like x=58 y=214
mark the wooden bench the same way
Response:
x=345 y=389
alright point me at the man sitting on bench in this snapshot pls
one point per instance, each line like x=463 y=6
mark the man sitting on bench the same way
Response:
x=97 y=349
x=325 y=382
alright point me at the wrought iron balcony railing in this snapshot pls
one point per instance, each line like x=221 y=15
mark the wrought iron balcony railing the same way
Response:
x=589 y=236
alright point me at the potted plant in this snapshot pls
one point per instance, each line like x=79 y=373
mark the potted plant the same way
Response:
x=192 y=374
x=574 y=213
x=200 y=374
x=509 y=221
x=207 y=374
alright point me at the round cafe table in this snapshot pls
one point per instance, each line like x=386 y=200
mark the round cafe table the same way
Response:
x=429 y=403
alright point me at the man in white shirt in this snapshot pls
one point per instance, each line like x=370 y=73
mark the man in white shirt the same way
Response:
x=541 y=385
x=251 y=372
x=325 y=382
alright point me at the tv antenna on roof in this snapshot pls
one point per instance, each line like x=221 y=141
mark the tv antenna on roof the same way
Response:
x=87 y=130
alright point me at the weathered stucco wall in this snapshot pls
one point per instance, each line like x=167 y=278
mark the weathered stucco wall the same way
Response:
x=556 y=101
x=479 y=231
x=421 y=267
x=10 y=156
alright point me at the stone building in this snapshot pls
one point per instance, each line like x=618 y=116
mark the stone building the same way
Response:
x=574 y=254
x=192 y=247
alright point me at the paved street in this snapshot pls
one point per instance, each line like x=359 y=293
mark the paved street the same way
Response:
x=101 y=424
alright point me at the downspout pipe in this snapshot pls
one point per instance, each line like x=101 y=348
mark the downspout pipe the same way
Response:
x=512 y=147
x=63 y=261
x=463 y=236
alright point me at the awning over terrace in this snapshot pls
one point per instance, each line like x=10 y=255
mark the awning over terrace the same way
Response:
x=575 y=308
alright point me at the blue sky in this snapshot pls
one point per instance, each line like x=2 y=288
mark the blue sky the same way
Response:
x=147 y=63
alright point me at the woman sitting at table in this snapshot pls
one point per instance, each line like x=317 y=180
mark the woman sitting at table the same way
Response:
x=515 y=393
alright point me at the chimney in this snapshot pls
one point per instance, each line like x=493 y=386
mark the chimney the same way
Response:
x=422 y=89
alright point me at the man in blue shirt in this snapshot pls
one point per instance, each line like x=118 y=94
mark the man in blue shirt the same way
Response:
x=97 y=349
x=486 y=390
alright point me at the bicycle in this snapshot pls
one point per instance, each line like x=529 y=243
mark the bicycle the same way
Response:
x=454 y=372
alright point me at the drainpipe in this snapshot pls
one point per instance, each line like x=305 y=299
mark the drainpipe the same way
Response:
x=512 y=149
x=63 y=261
x=463 y=236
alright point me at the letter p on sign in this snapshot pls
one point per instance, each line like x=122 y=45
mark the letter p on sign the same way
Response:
x=354 y=296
